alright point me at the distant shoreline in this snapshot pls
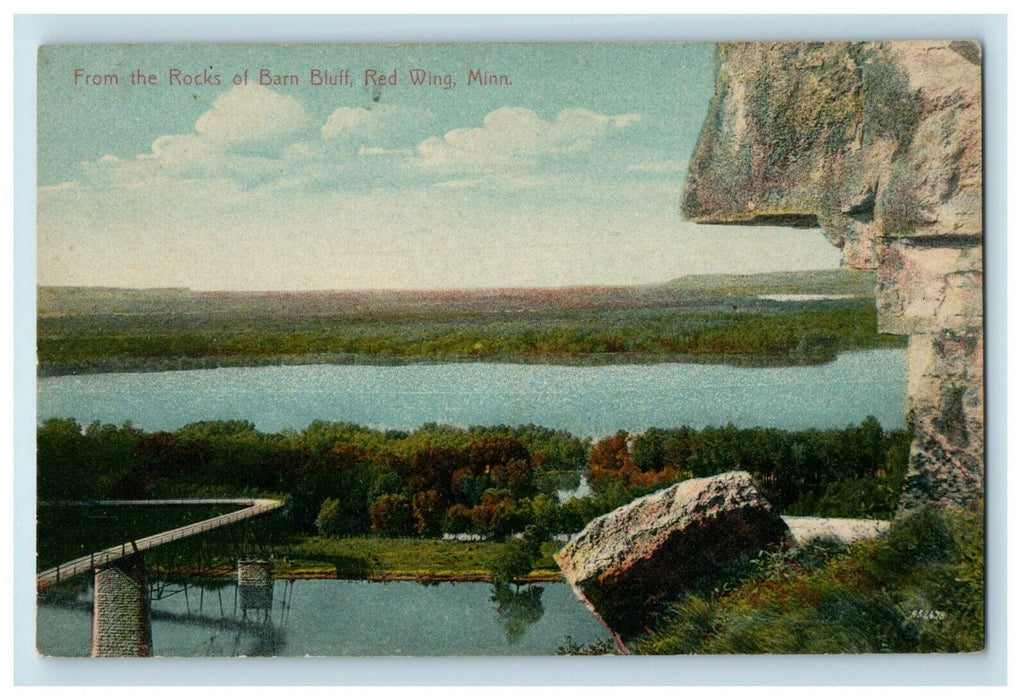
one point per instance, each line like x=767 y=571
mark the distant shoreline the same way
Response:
x=120 y=365
x=720 y=319
x=326 y=574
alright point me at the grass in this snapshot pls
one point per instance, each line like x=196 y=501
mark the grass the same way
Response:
x=381 y=558
x=920 y=589
x=706 y=318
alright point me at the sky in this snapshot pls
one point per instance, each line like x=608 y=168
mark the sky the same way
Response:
x=569 y=172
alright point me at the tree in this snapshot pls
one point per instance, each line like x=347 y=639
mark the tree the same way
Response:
x=546 y=513
x=648 y=450
x=498 y=515
x=330 y=521
x=610 y=460
x=59 y=475
x=391 y=515
x=432 y=469
x=513 y=563
x=458 y=519
x=429 y=511
x=516 y=476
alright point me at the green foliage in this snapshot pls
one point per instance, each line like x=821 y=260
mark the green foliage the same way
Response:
x=857 y=471
x=570 y=647
x=919 y=589
x=340 y=479
x=330 y=520
x=514 y=562
x=687 y=319
x=78 y=464
x=391 y=515
x=65 y=532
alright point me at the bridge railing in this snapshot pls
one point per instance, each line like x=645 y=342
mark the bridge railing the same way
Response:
x=104 y=557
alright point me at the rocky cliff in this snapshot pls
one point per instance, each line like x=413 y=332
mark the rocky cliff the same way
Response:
x=880 y=145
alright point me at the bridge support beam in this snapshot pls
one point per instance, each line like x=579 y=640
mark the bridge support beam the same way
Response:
x=121 y=609
x=256 y=586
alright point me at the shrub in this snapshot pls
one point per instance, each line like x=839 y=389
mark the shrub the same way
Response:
x=920 y=589
x=330 y=518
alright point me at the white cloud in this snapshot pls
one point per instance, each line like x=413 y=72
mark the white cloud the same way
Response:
x=238 y=139
x=182 y=157
x=368 y=125
x=512 y=135
x=176 y=149
x=254 y=137
x=347 y=120
x=252 y=113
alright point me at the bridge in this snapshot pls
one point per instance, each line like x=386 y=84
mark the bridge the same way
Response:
x=249 y=508
x=121 y=609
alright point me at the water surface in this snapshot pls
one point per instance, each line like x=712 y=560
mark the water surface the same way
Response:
x=344 y=618
x=588 y=401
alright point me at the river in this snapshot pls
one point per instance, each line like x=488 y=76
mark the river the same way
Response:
x=587 y=401
x=344 y=618
x=329 y=618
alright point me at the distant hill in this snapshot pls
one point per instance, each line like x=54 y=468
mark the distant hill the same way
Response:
x=860 y=283
x=91 y=301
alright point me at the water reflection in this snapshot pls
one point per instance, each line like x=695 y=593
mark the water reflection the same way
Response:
x=247 y=629
x=518 y=610
x=337 y=618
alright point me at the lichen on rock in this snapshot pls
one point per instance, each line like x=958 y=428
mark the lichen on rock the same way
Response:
x=871 y=138
x=880 y=144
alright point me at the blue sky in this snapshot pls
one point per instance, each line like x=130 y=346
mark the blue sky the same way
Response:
x=570 y=174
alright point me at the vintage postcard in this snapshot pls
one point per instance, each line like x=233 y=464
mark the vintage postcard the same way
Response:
x=510 y=349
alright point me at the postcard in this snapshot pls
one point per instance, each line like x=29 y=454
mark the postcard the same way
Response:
x=510 y=349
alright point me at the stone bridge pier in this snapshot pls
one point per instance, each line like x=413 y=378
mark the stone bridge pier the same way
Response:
x=121 y=609
x=121 y=604
x=121 y=596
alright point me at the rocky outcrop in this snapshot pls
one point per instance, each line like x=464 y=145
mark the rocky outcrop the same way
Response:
x=628 y=564
x=879 y=144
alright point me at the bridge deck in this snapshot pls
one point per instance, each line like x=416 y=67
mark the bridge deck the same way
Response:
x=251 y=507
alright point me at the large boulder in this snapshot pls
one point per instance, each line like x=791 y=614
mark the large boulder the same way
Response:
x=628 y=564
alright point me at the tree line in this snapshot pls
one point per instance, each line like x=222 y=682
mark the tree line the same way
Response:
x=342 y=479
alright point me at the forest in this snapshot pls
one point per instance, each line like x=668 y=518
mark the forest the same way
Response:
x=346 y=480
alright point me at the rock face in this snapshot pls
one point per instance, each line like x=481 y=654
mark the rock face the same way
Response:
x=879 y=144
x=632 y=561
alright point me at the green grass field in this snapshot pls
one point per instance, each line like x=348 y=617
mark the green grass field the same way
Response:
x=709 y=318
x=394 y=558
